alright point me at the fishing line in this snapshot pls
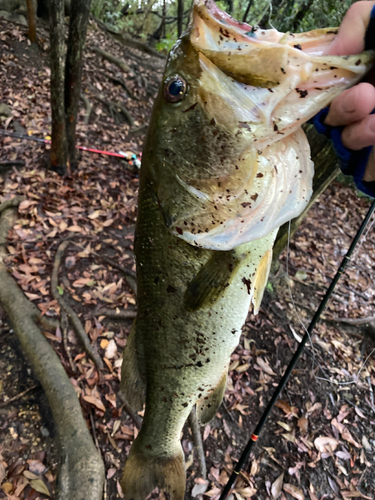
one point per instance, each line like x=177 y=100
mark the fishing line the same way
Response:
x=254 y=437
x=121 y=154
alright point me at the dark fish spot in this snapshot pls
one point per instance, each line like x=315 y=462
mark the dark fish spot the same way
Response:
x=199 y=364
x=149 y=447
x=171 y=289
x=246 y=204
x=283 y=71
x=297 y=46
x=254 y=197
x=179 y=230
x=358 y=62
x=247 y=282
x=302 y=93
x=156 y=280
x=259 y=174
x=184 y=405
x=275 y=127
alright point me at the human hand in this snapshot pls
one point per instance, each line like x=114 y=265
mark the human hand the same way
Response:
x=352 y=108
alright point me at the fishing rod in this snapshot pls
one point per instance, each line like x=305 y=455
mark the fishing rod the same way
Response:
x=254 y=437
x=121 y=154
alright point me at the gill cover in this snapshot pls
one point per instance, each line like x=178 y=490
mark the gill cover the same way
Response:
x=256 y=88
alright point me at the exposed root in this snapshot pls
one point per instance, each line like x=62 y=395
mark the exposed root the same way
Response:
x=197 y=440
x=113 y=314
x=111 y=58
x=88 y=106
x=73 y=317
x=64 y=332
x=81 y=469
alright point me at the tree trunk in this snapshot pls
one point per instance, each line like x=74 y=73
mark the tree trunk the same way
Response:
x=247 y=11
x=31 y=20
x=180 y=16
x=162 y=29
x=59 y=147
x=326 y=170
x=79 y=15
x=301 y=14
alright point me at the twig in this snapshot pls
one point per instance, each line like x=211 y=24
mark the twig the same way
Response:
x=197 y=440
x=110 y=313
x=73 y=317
x=64 y=331
x=89 y=107
x=354 y=321
x=18 y=396
x=134 y=416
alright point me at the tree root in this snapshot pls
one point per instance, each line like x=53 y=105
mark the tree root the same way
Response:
x=88 y=106
x=73 y=317
x=111 y=58
x=197 y=440
x=129 y=41
x=134 y=416
x=117 y=108
x=119 y=81
x=81 y=469
x=112 y=314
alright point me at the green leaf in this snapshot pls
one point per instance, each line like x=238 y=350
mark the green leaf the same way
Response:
x=60 y=290
x=40 y=487
x=269 y=287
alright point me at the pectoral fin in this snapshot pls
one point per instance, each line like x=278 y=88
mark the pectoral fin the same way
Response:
x=207 y=408
x=211 y=281
x=132 y=380
x=260 y=281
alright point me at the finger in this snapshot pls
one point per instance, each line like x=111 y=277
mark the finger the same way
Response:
x=351 y=36
x=359 y=135
x=352 y=105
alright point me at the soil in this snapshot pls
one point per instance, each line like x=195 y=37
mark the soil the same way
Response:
x=321 y=435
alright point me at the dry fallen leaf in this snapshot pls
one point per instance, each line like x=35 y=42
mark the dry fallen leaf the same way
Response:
x=326 y=444
x=264 y=366
x=294 y=491
x=277 y=487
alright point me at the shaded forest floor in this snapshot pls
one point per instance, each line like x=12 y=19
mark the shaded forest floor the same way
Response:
x=320 y=440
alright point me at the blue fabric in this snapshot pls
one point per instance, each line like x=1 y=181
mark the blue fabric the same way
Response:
x=351 y=162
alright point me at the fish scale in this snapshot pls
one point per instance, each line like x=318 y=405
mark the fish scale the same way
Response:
x=225 y=163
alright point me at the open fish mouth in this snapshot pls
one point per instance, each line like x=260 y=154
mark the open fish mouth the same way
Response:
x=259 y=87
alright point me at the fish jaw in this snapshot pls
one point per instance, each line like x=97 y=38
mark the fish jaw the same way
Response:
x=255 y=89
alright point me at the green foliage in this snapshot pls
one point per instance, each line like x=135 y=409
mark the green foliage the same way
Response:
x=142 y=18
x=167 y=43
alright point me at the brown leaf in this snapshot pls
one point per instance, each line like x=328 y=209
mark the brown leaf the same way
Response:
x=294 y=491
x=326 y=444
x=303 y=424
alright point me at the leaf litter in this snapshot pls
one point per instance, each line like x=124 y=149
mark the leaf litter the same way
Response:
x=319 y=442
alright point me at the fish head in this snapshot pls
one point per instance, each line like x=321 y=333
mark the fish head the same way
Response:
x=228 y=159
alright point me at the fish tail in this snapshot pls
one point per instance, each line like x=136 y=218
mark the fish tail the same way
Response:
x=143 y=472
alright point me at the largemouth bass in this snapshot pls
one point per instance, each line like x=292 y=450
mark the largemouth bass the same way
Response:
x=225 y=163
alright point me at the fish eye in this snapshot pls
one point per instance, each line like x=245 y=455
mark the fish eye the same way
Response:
x=174 y=89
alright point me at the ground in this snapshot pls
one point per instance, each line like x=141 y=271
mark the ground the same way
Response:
x=319 y=442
